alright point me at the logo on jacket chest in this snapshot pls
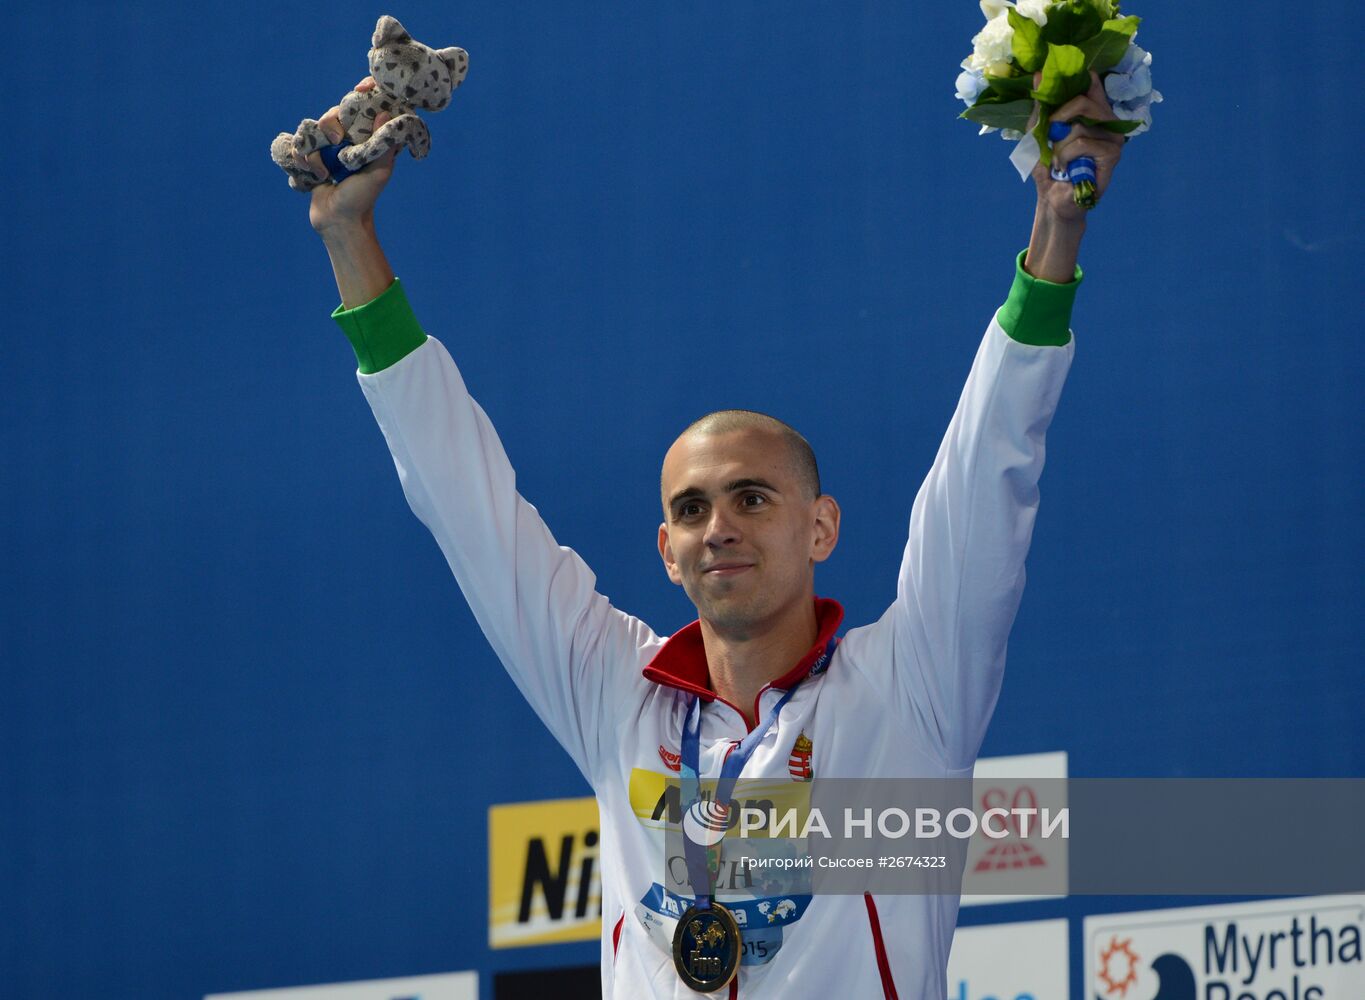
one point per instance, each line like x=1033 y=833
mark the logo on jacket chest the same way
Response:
x=798 y=764
x=672 y=761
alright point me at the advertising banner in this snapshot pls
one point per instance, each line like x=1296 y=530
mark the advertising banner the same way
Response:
x=543 y=880
x=1023 y=961
x=446 y=986
x=1306 y=948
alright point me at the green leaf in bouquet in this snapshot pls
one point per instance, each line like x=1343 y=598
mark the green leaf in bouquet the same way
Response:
x=1104 y=51
x=1028 y=47
x=994 y=94
x=1064 y=76
x=1010 y=87
x=1118 y=125
x=1072 y=22
x=1010 y=114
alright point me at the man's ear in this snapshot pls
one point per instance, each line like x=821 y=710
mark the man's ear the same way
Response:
x=826 y=534
x=666 y=554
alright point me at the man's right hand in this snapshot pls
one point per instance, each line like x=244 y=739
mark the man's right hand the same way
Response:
x=343 y=215
x=351 y=203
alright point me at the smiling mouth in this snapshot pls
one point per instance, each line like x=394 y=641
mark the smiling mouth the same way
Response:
x=728 y=570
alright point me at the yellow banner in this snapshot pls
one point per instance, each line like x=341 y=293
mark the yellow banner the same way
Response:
x=544 y=882
x=657 y=799
x=544 y=885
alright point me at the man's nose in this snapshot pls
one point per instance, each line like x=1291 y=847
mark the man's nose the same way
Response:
x=722 y=529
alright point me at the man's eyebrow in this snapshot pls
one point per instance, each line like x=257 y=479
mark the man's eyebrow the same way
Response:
x=745 y=484
x=731 y=487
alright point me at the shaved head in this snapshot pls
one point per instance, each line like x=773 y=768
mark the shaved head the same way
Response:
x=801 y=455
x=745 y=522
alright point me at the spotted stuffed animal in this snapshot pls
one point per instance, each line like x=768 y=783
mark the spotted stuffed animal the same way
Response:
x=407 y=75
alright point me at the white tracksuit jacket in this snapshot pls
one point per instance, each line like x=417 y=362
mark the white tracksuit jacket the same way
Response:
x=907 y=696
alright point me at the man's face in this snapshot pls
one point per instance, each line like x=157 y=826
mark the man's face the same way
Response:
x=740 y=532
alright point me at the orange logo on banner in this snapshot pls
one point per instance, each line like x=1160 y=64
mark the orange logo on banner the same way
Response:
x=1112 y=983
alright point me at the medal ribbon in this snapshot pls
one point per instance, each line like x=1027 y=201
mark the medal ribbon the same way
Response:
x=697 y=873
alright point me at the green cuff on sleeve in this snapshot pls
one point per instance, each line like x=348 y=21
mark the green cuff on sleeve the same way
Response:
x=383 y=331
x=1038 y=312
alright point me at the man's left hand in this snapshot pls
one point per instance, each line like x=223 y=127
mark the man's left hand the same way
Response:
x=1101 y=145
x=1058 y=222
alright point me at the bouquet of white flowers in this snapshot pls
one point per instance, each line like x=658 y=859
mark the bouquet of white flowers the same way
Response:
x=1063 y=40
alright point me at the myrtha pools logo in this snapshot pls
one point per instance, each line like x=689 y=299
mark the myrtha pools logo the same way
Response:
x=1118 y=973
x=1286 y=949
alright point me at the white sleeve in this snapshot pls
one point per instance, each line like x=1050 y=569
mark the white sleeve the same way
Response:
x=568 y=650
x=962 y=575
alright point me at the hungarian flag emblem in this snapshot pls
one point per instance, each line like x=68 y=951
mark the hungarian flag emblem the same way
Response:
x=799 y=761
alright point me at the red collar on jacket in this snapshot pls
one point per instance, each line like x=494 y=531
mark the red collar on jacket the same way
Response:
x=681 y=662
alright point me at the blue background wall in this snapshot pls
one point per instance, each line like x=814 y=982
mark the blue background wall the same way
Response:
x=249 y=732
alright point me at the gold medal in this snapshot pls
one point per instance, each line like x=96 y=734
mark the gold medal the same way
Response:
x=706 y=948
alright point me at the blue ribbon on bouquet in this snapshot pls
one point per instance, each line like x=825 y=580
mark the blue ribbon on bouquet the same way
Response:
x=1082 y=168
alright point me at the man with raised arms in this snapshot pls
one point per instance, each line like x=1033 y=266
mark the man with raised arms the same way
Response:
x=760 y=676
